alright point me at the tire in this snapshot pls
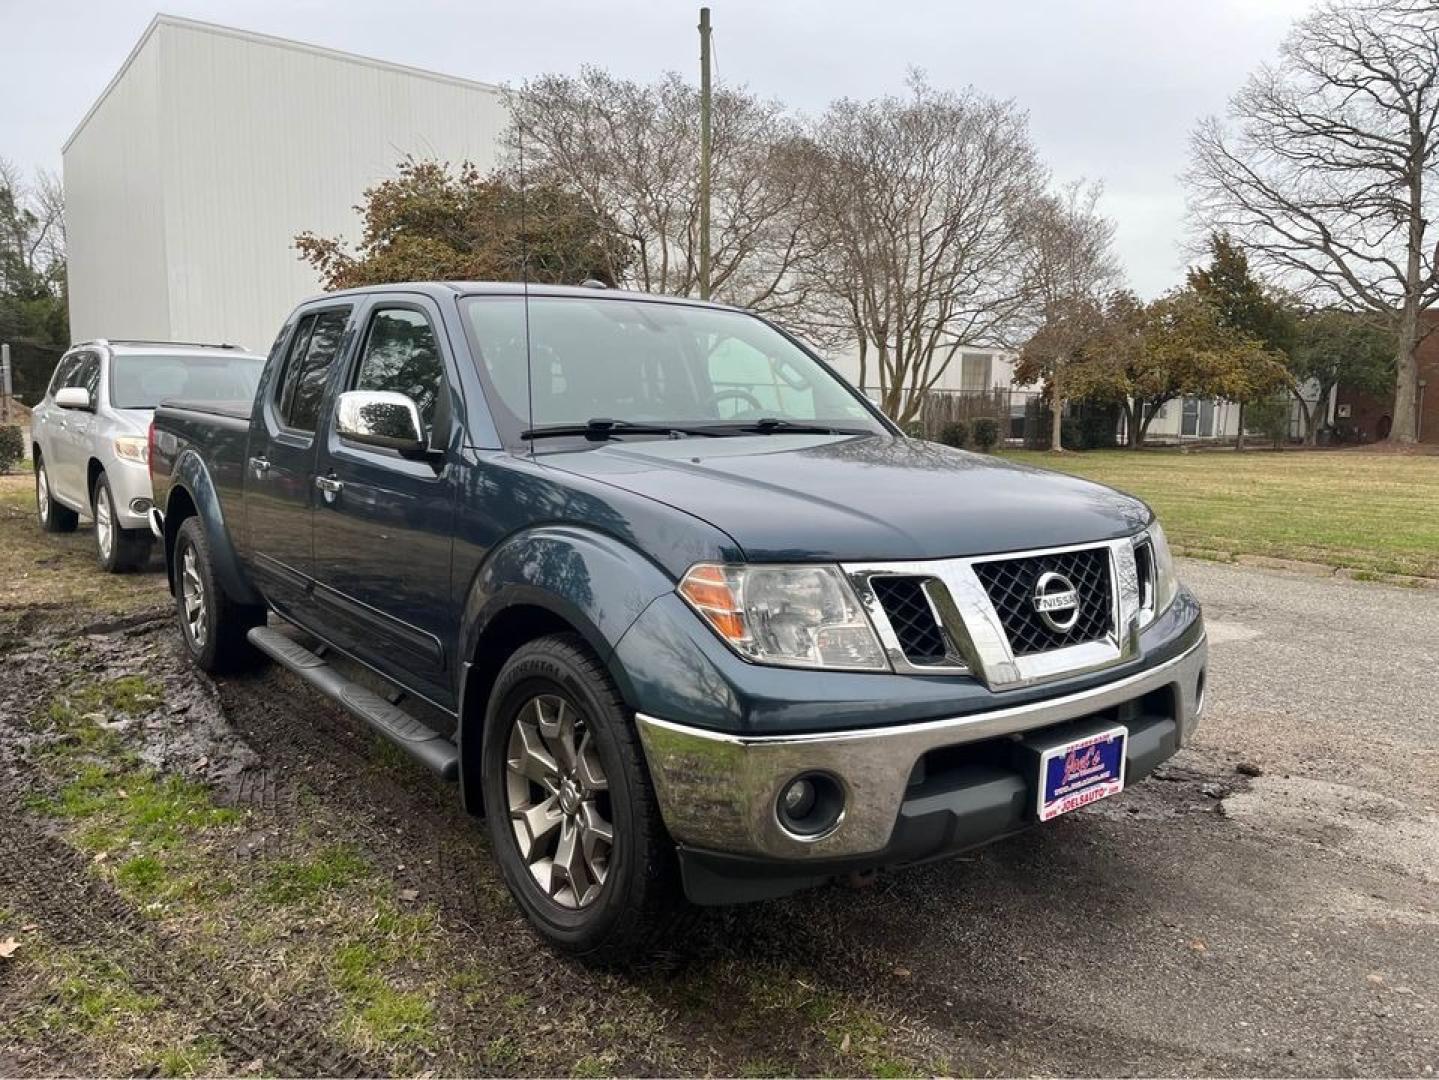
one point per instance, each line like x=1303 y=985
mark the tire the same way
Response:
x=214 y=632
x=119 y=550
x=54 y=518
x=626 y=915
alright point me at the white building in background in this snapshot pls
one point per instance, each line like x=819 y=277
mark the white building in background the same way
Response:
x=211 y=149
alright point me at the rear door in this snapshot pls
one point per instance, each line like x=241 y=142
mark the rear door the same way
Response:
x=280 y=469
x=384 y=528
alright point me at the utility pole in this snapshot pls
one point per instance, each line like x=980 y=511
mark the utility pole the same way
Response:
x=704 y=153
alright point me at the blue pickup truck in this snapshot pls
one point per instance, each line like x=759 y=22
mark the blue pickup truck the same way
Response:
x=679 y=610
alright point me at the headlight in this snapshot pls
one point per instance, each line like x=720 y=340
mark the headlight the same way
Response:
x=798 y=616
x=1158 y=583
x=132 y=448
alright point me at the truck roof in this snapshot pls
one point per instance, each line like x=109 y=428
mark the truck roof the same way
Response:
x=440 y=289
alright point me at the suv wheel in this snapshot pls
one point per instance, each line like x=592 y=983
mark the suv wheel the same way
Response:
x=54 y=518
x=119 y=549
x=212 y=625
x=571 y=811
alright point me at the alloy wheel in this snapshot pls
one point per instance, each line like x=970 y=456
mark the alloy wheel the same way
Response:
x=104 y=522
x=558 y=797
x=42 y=494
x=192 y=595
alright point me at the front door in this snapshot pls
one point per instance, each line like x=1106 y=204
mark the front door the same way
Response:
x=280 y=470
x=384 y=525
x=70 y=471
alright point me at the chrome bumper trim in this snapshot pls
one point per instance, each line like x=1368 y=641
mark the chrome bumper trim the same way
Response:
x=717 y=791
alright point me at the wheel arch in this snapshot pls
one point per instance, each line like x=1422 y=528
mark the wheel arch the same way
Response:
x=192 y=494
x=553 y=580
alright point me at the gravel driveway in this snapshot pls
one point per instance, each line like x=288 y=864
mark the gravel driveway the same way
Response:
x=1207 y=921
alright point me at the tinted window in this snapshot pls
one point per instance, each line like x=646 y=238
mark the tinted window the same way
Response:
x=314 y=348
x=400 y=355
x=142 y=382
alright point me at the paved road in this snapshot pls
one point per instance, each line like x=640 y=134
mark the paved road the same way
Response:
x=1288 y=925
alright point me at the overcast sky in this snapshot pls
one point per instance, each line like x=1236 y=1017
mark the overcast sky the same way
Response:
x=1112 y=86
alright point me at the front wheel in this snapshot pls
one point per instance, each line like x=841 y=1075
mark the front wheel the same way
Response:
x=212 y=625
x=119 y=550
x=54 y=517
x=571 y=811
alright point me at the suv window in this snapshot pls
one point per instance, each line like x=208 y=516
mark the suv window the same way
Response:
x=63 y=370
x=313 y=349
x=87 y=375
x=401 y=355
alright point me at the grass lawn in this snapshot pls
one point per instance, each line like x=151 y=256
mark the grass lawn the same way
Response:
x=1371 y=512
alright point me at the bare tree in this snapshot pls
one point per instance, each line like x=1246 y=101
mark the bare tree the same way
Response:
x=923 y=206
x=1320 y=171
x=1070 y=266
x=631 y=150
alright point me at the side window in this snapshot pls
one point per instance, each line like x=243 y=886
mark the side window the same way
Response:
x=313 y=350
x=284 y=391
x=87 y=375
x=401 y=355
x=63 y=370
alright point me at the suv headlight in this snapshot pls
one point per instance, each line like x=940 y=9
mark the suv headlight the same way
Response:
x=133 y=448
x=1158 y=582
x=797 y=616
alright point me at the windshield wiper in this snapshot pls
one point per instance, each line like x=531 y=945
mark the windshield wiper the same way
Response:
x=769 y=425
x=600 y=429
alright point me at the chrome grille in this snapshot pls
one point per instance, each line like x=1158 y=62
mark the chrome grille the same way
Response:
x=1010 y=584
x=912 y=619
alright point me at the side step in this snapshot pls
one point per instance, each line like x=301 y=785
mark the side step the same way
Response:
x=421 y=742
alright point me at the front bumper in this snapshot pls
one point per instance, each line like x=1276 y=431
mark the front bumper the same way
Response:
x=130 y=485
x=909 y=794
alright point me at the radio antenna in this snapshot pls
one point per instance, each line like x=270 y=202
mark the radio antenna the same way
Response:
x=525 y=285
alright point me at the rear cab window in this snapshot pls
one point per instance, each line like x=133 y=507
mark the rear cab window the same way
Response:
x=313 y=348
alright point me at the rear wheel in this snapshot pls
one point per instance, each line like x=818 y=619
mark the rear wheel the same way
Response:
x=570 y=807
x=212 y=625
x=119 y=550
x=54 y=518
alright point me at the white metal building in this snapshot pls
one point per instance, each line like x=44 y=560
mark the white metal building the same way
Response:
x=212 y=148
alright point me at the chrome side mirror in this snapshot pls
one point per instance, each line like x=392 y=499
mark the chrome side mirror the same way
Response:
x=381 y=418
x=73 y=397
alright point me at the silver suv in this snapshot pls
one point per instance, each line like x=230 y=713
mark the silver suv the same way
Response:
x=90 y=432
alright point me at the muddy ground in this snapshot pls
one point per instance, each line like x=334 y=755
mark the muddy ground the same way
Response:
x=234 y=877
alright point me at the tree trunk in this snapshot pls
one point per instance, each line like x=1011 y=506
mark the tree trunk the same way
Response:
x=1149 y=414
x=1132 y=411
x=1406 y=376
x=1239 y=438
x=1056 y=421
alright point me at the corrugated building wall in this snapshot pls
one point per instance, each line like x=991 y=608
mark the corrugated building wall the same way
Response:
x=213 y=148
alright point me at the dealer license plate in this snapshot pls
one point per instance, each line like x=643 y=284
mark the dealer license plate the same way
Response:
x=1077 y=773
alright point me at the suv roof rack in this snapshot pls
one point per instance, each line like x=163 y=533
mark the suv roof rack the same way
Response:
x=183 y=344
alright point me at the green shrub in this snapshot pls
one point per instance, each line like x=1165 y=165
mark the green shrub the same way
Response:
x=914 y=429
x=955 y=433
x=12 y=447
x=986 y=433
x=1269 y=417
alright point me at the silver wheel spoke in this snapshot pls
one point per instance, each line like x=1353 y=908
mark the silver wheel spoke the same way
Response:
x=556 y=788
x=533 y=761
x=538 y=823
x=588 y=768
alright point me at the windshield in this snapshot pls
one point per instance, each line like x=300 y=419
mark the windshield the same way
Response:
x=142 y=382
x=651 y=363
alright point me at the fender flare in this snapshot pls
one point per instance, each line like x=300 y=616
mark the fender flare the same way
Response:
x=581 y=578
x=192 y=478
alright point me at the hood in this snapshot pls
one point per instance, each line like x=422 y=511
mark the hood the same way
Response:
x=851 y=498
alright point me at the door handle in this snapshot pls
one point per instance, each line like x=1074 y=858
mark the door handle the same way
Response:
x=329 y=485
x=260 y=465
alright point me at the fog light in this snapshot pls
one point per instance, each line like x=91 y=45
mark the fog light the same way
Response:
x=811 y=805
x=139 y=506
x=799 y=798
